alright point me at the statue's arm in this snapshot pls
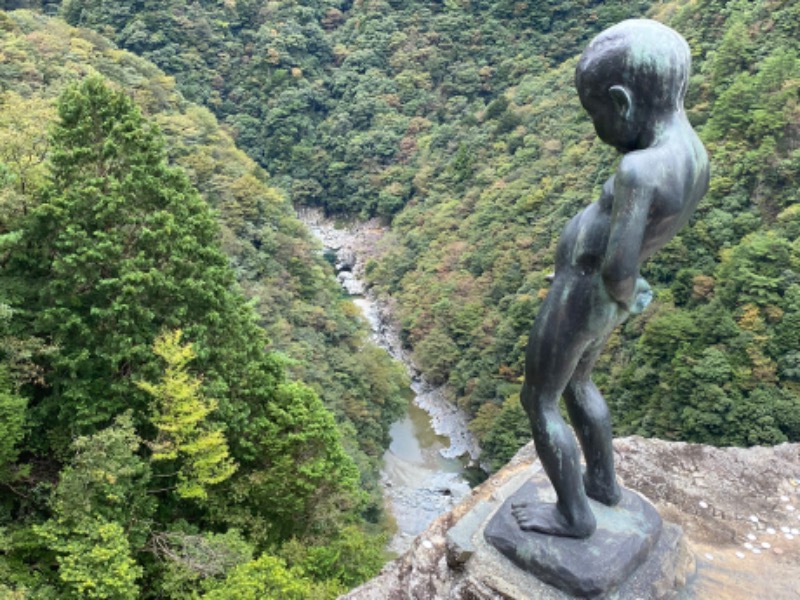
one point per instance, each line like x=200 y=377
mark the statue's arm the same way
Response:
x=620 y=270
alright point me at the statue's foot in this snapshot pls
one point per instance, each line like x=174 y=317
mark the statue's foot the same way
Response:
x=610 y=495
x=546 y=518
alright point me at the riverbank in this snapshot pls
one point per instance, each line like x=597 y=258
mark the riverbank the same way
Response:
x=423 y=468
x=354 y=245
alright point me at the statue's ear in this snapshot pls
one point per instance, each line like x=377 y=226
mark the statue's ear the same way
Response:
x=622 y=100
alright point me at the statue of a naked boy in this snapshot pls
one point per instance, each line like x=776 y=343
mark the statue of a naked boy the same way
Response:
x=631 y=80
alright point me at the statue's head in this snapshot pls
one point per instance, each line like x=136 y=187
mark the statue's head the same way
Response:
x=629 y=77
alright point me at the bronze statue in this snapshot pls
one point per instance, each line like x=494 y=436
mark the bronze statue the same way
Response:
x=631 y=80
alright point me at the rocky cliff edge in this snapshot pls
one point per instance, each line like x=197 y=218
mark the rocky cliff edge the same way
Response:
x=739 y=509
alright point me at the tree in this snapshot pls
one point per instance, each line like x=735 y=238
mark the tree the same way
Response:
x=106 y=479
x=101 y=513
x=115 y=255
x=350 y=557
x=121 y=248
x=94 y=560
x=12 y=424
x=266 y=578
x=24 y=143
x=302 y=481
x=731 y=57
x=13 y=407
x=509 y=431
x=189 y=559
x=179 y=415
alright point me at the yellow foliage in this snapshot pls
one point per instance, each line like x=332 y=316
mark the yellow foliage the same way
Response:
x=24 y=144
x=82 y=49
x=180 y=415
x=750 y=319
x=537 y=195
x=789 y=214
x=773 y=313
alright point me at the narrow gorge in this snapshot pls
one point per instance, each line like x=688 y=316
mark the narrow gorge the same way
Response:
x=433 y=457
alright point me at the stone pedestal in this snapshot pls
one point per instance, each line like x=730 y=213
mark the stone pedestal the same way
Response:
x=632 y=555
x=589 y=567
x=722 y=497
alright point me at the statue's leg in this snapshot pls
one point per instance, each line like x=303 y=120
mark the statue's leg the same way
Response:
x=554 y=348
x=592 y=422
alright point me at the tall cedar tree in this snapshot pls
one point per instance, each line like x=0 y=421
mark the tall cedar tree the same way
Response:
x=121 y=248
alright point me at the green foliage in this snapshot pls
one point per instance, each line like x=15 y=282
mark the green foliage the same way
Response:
x=330 y=97
x=732 y=56
x=106 y=479
x=756 y=271
x=349 y=558
x=274 y=259
x=508 y=432
x=191 y=561
x=180 y=419
x=714 y=362
x=121 y=246
x=24 y=143
x=372 y=107
x=457 y=121
x=266 y=578
x=12 y=424
x=13 y=406
x=302 y=481
x=108 y=247
x=93 y=560
x=101 y=512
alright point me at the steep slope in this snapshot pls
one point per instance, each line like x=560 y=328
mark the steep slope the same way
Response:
x=275 y=259
x=460 y=119
x=712 y=360
x=117 y=443
x=329 y=96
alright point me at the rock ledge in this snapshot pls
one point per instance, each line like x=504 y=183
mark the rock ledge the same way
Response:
x=738 y=509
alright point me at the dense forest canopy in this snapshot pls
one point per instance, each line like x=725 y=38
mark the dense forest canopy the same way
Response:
x=459 y=121
x=146 y=416
x=153 y=275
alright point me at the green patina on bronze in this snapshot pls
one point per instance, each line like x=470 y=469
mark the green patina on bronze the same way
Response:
x=625 y=536
x=631 y=80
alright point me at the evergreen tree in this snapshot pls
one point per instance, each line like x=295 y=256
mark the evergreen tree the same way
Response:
x=104 y=246
x=180 y=418
x=12 y=424
x=101 y=514
x=302 y=480
x=121 y=248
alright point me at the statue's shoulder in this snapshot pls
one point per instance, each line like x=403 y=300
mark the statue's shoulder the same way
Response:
x=636 y=168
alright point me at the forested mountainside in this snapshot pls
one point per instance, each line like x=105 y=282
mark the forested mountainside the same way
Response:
x=715 y=358
x=159 y=307
x=456 y=121
x=334 y=97
x=459 y=121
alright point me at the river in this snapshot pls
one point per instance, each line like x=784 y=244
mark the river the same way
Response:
x=426 y=466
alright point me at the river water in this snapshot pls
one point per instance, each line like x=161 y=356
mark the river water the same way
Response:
x=425 y=468
x=423 y=473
